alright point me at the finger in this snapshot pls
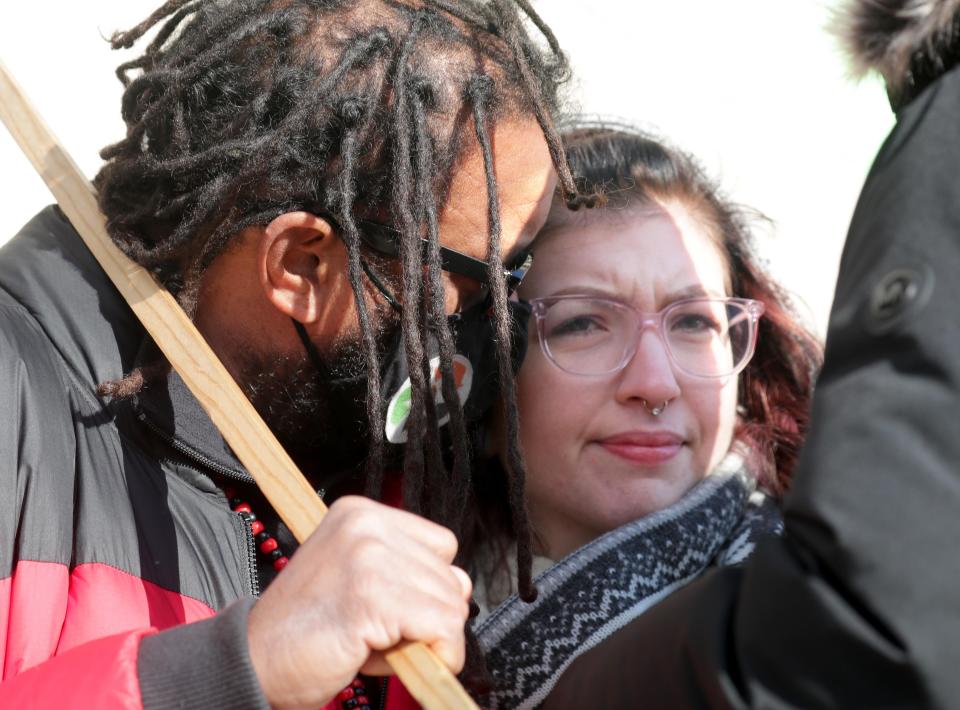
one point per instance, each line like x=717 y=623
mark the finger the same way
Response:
x=436 y=538
x=466 y=584
x=449 y=648
x=437 y=622
x=376 y=665
x=403 y=583
x=390 y=523
x=453 y=656
x=452 y=651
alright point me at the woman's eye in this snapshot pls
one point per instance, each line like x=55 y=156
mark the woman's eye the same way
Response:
x=694 y=323
x=581 y=325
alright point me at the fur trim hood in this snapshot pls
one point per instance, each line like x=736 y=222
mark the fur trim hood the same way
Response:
x=895 y=37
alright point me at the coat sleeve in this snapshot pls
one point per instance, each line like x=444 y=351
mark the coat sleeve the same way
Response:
x=36 y=494
x=204 y=664
x=856 y=605
x=36 y=525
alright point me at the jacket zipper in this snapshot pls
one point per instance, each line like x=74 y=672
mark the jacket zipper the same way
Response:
x=224 y=471
x=383 y=694
x=251 y=557
x=191 y=454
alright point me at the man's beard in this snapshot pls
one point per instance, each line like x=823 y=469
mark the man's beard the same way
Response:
x=321 y=419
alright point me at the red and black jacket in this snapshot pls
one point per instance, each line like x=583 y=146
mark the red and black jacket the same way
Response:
x=113 y=528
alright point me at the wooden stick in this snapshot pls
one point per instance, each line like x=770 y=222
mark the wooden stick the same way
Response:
x=427 y=679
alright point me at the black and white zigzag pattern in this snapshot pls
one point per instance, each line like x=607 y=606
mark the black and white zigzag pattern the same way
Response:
x=601 y=587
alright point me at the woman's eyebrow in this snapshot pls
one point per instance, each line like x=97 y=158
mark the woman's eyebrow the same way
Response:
x=582 y=290
x=692 y=291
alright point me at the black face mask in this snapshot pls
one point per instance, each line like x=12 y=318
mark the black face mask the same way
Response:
x=475 y=371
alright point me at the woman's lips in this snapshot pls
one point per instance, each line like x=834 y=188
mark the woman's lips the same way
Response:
x=643 y=447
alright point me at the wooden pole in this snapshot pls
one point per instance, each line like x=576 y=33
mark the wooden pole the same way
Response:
x=427 y=679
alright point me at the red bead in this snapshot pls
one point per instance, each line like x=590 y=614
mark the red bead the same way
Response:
x=268 y=546
x=281 y=563
x=357 y=683
x=242 y=508
x=363 y=700
x=256 y=527
x=346 y=694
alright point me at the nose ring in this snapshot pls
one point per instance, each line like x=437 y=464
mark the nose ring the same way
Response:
x=656 y=410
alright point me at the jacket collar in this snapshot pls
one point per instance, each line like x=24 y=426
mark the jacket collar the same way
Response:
x=167 y=406
x=50 y=272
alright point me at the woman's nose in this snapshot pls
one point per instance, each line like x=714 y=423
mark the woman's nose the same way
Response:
x=649 y=374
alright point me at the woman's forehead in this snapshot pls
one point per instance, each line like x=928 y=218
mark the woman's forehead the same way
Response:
x=635 y=252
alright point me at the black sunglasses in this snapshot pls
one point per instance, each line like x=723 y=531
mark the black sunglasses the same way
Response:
x=385 y=240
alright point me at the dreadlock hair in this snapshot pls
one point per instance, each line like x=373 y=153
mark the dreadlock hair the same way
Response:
x=239 y=111
x=631 y=168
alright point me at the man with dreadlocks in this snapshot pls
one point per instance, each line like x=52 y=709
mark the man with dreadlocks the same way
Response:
x=337 y=191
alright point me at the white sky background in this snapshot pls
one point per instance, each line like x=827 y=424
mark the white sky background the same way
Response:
x=757 y=89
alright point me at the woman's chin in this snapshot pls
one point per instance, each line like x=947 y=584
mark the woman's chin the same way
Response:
x=639 y=490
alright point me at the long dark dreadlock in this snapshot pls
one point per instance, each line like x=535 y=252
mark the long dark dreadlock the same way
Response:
x=240 y=111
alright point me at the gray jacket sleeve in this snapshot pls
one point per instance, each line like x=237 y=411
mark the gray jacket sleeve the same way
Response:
x=36 y=452
x=857 y=605
x=200 y=665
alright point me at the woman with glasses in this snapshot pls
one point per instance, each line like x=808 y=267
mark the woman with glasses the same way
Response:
x=662 y=403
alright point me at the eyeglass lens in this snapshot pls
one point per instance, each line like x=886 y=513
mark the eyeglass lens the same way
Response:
x=705 y=337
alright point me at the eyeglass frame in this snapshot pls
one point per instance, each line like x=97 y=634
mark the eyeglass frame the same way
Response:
x=385 y=240
x=645 y=320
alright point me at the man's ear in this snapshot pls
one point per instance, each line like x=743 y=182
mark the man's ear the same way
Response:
x=296 y=256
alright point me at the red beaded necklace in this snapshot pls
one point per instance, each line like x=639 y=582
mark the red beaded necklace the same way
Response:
x=266 y=543
x=354 y=696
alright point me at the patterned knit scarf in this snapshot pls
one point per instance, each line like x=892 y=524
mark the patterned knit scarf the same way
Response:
x=609 y=582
